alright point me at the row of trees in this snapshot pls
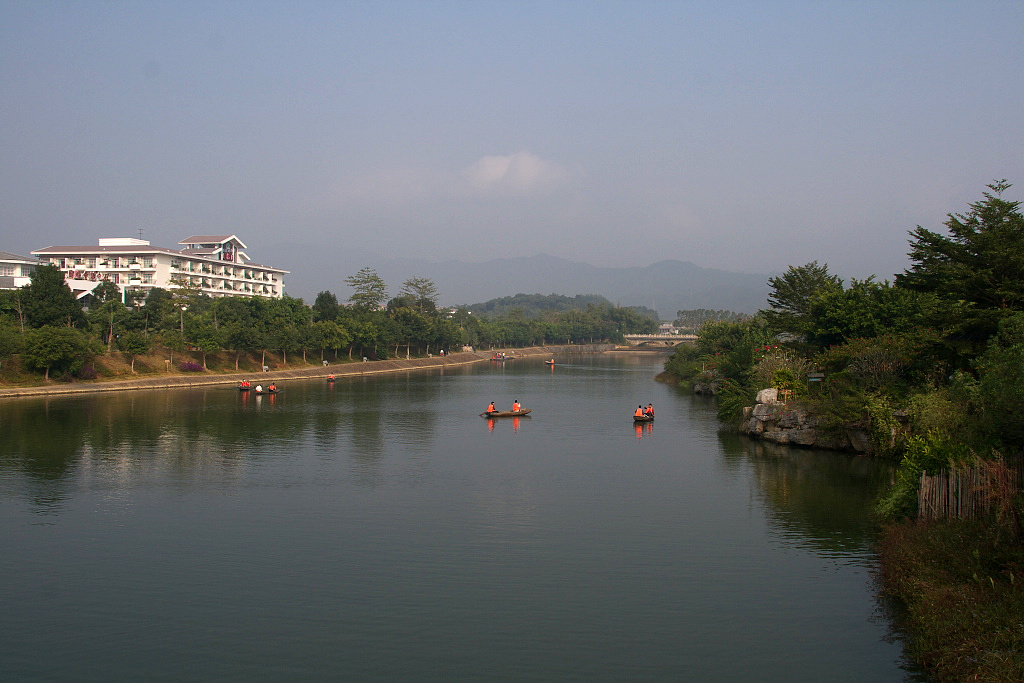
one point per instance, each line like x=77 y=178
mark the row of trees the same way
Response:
x=933 y=362
x=50 y=330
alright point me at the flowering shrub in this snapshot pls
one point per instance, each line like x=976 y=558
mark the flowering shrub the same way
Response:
x=88 y=371
x=190 y=366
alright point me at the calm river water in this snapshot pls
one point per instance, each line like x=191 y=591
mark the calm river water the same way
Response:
x=380 y=530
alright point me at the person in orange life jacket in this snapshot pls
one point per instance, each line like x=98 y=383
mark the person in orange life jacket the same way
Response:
x=272 y=387
x=639 y=411
x=515 y=406
x=649 y=411
x=491 y=408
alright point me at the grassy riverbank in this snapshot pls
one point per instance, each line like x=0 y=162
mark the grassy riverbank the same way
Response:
x=161 y=370
x=963 y=587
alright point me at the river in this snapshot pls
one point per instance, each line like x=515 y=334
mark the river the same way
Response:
x=378 y=529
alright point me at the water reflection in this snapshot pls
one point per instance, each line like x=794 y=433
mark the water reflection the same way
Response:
x=206 y=436
x=821 y=500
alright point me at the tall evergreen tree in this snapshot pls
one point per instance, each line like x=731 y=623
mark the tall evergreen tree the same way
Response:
x=793 y=294
x=978 y=268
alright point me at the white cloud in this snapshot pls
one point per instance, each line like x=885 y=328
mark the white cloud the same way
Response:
x=518 y=174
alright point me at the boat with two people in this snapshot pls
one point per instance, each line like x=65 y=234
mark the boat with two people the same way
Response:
x=644 y=414
x=517 y=411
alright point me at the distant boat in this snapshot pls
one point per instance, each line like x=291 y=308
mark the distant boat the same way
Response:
x=643 y=418
x=507 y=413
x=549 y=362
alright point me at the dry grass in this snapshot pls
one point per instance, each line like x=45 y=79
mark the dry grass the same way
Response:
x=963 y=586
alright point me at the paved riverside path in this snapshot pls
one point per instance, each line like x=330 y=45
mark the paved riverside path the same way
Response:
x=339 y=370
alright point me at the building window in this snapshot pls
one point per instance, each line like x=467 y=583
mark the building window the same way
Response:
x=6 y=269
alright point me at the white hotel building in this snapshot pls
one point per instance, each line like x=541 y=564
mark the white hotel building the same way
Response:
x=215 y=264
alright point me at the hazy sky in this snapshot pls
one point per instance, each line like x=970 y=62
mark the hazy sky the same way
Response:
x=745 y=136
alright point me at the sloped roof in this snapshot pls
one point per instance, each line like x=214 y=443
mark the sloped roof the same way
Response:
x=212 y=239
x=8 y=256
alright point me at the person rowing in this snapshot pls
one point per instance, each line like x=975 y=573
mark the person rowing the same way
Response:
x=491 y=408
x=639 y=411
x=516 y=407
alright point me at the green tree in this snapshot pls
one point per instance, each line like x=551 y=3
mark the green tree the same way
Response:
x=205 y=335
x=423 y=293
x=56 y=348
x=11 y=306
x=793 y=294
x=866 y=309
x=134 y=344
x=11 y=338
x=977 y=269
x=325 y=306
x=106 y=291
x=47 y=300
x=105 y=315
x=328 y=334
x=370 y=290
x=693 y=319
x=159 y=311
x=1000 y=389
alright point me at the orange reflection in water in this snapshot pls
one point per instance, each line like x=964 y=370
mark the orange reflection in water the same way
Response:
x=643 y=429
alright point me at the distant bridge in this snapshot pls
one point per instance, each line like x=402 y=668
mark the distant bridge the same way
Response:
x=660 y=339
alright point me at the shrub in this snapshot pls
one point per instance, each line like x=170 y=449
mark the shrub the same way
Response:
x=733 y=397
x=88 y=371
x=780 y=368
x=930 y=453
x=190 y=366
x=944 y=410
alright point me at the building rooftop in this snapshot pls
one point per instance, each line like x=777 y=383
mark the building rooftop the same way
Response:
x=212 y=239
x=8 y=256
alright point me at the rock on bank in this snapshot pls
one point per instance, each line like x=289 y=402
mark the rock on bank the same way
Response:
x=779 y=422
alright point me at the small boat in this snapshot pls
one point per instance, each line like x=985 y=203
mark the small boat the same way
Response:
x=268 y=391
x=507 y=413
x=330 y=379
x=643 y=418
x=244 y=388
x=549 y=362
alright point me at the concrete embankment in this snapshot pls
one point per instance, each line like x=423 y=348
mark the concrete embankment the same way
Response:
x=340 y=370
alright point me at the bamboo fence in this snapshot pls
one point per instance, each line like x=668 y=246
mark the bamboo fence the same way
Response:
x=969 y=491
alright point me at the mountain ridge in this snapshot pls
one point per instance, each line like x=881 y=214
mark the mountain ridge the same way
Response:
x=668 y=285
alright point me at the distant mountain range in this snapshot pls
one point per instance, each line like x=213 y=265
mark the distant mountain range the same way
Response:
x=666 y=286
